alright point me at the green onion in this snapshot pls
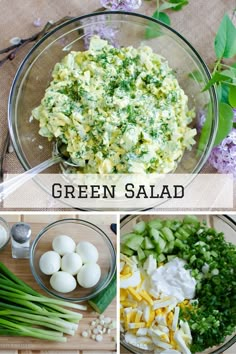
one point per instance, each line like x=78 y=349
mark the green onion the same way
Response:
x=23 y=330
x=25 y=312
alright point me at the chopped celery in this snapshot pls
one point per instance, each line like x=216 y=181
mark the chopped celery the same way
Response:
x=191 y=219
x=171 y=246
x=149 y=253
x=141 y=254
x=126 y=250
x=134 y=242
x=161 y=258
x=148 y=244
x=125 y=238
x=168 y=234
x=140 y=227
x=155 y=224
x=161 y=244
x=155 y=234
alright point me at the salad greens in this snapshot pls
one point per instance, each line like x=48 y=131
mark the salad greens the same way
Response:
x=212 y=261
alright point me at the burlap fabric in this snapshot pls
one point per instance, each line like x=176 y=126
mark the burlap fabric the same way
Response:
x=197 y=22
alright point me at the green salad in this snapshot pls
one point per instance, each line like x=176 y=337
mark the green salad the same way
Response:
x=177 y=286
x=117 y=110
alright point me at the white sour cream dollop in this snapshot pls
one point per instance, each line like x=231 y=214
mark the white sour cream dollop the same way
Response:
x=173 y=279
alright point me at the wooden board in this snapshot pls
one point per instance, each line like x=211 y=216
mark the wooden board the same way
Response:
x=76 y=344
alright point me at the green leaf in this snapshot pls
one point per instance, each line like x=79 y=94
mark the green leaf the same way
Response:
x=234 y=125
x=216 y=78
x=196 y=76
x=156 y=15
x=229 y=73
x=225 y=40
x=171 y=5
x=161 y=16
x=232 y=96
x=205 y=132
x=219 y=92
x=164 y=18
x=166 y=6
x=224 y=93
x=225 y=122
x=154 y=30
x=179 y=4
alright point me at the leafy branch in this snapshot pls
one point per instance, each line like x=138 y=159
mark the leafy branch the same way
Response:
x=159 y=14
x=224 y=76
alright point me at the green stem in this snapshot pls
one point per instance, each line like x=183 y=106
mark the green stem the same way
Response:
x=70 y=316
x=32 y=332
x=6 y=272
x=58 y=329
x=216 y=67
x=57 y=322
x=23 y=303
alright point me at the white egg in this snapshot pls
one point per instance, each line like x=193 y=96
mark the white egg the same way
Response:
x=63 y=282
x=50 y=262
x=87 y=251
x=89 y=275
x=63 y=244
x=71 y=263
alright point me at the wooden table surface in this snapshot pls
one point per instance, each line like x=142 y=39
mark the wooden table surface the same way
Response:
x=76 y=344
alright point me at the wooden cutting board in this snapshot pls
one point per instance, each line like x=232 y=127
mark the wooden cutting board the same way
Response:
x=76 y=344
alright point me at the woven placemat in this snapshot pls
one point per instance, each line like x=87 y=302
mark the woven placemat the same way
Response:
x=197 y=22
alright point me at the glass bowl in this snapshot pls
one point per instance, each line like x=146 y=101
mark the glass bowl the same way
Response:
x=220 y=223
x=78 y=230
x=4 y=233
x=34 y=76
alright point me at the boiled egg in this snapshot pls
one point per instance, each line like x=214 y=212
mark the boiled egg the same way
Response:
x=71 y=263
x=63 y=244
x=89 y=275
x=132 y=281
x=63 y=282
x=87 y=251
x=50 y=262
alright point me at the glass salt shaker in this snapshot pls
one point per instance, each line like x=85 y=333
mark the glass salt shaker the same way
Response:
x=20 y=240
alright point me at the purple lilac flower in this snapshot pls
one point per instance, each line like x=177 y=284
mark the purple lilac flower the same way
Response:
x=100 y=28
x=126 y=5
x=223 y=156
x=201 y=117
